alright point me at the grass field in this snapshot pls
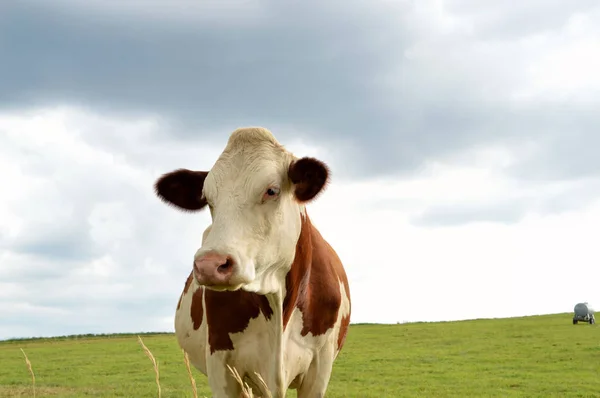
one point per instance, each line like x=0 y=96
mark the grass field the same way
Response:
x=540 y=356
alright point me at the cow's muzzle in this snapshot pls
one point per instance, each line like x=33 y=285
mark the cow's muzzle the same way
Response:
x=213 y=269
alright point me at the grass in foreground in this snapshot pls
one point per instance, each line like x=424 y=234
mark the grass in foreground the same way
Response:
x=541 y=356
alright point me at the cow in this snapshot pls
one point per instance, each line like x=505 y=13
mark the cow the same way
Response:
x=267 y=295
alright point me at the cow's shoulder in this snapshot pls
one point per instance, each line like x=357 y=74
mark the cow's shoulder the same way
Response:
x=314 y=282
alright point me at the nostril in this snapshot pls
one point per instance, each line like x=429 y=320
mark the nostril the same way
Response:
x=226 y=267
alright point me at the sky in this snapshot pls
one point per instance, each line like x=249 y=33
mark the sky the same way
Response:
x=462 y=138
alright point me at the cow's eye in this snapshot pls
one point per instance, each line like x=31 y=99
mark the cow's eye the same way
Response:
x=271 y=192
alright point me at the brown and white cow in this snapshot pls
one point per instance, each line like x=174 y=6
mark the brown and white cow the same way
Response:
x=267 y=293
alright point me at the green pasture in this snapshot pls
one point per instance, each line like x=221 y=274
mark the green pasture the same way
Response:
x=539 y=356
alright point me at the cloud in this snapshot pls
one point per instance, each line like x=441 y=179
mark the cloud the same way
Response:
x=511 y=203
x=390 y=85
x=509 y=212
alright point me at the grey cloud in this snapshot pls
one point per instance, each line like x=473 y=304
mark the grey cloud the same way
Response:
x=63 y=238
x=576 y=196
x=88 y=319
x=567 y=153
x=460 y=214
x=58 y=226
x=54 y=245
x=34 y=265
x=565 y=197
x=19 y=325
x=207 y=74
x=70 y=302
x=337 y=72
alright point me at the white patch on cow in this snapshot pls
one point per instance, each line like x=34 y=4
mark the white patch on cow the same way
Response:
x=260 y=237
x=345 y=308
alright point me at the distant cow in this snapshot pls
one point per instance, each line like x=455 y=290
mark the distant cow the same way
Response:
x=267 y=293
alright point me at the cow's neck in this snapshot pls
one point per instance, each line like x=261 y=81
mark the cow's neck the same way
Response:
x=276 y=304
x=297 y=279
x=276 y=377
x=284 y=301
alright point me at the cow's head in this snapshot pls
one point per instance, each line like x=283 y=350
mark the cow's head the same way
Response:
x=256 y=193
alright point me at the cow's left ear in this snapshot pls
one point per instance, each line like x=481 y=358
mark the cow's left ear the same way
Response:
x=309 y=176
x=182 y=188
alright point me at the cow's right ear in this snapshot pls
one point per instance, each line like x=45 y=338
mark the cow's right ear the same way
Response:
x=182 y=188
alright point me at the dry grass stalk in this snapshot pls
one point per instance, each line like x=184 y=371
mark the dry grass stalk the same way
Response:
x=246 y=390
x=263 y=385
x=30 y=371
x=154 y=363
x=189 y=370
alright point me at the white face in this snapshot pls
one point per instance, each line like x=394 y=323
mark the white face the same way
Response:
x=255 y=217
x=256 y=193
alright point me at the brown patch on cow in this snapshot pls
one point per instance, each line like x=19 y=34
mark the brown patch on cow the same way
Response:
x=309 y=176
x=230 y=312
x=343 y=331
x=313 y=282
x=188 y=282
x=196 y=309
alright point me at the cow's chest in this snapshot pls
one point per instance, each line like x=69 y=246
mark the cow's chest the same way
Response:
x=250 y=345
